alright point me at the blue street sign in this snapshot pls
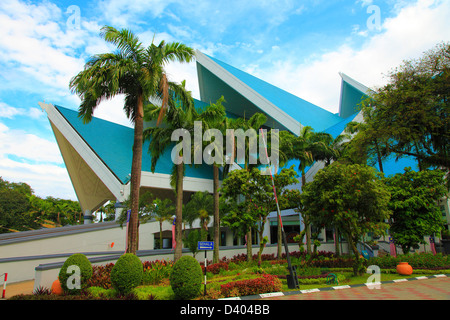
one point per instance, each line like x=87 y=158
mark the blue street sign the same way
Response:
x=205 y=245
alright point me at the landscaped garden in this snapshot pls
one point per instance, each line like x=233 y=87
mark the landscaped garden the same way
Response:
x=131 y=279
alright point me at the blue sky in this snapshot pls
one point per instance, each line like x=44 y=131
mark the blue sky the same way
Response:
x=299 y=46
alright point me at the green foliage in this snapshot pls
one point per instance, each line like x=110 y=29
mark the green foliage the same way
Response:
x=156 y=272
x=154 y=293
x=352 y=198
x=186 y=278
x=192 y=239
x=414 y=205
x=21 y=210
x=200 y=206
x=67 y=277
x=410 y=113
x=256 y=191
x=127 y=273
x=416 y=260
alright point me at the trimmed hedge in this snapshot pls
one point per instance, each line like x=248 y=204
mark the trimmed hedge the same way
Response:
x=68 y=274
x=127 y=273
x=186 y=278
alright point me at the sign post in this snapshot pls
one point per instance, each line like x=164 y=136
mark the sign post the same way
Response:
x=205 y=245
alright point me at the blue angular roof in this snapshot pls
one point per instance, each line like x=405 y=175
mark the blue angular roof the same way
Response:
x=113 y=144
x=301 y=110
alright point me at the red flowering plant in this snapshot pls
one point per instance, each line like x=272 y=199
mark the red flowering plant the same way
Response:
x=266 y=283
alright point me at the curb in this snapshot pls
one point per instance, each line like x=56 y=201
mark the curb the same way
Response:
x=369 y=285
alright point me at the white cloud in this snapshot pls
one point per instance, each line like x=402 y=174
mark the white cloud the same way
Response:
x=28 y=146
x=44 y=179
x=39 y=53
x=417 y=28
x=25 y=157
x=6 y=111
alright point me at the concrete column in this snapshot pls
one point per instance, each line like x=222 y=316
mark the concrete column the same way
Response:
x=119 y=208
x=87 y=216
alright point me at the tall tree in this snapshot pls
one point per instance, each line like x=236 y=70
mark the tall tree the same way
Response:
x=259 y=199
x=214 y=117
x=412 y=111
x=138 y=73
x=301 y=148
x=414 y=205
x=179 y=117
x=161 y=210
x=352 y=198
x=201 y=206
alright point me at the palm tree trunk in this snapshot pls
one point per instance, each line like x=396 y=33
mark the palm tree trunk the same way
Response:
x=160 y=234
x=179 y=213
x=307 y=224
x=216 y=214
x=136 y=176
x=279 y=239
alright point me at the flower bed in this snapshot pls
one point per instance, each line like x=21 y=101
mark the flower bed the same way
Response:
x=238 y=277
x=264 y=284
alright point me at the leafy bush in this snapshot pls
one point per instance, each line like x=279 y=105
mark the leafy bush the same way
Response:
x=101 y=276
x=264 y=284
x=68 y=274
x=186 y=278
x=156 y=271
x=154 y=293
x=332 y=262
x=215 y=268
x=127 y=273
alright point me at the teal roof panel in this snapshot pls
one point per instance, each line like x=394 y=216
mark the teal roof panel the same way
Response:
x=301 y=110
x=113 y=143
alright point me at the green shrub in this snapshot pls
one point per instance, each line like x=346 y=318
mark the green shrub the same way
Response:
x=154 y=293
x=75 y=273
x=155 y=272
x=127 y=273
x=102 y=293
x=186 y=278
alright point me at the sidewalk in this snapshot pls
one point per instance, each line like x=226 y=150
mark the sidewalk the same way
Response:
x=420 y=288
x=12 y=289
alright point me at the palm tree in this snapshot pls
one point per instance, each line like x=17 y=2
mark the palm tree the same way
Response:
x=214 y=117
x=162 y=210
x=180 y=114
x=201 y=206
x=326 y=148
x=300 y=148
x=138 y=73
x=255 y=122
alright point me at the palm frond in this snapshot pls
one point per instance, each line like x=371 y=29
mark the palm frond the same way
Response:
x=125 y=40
